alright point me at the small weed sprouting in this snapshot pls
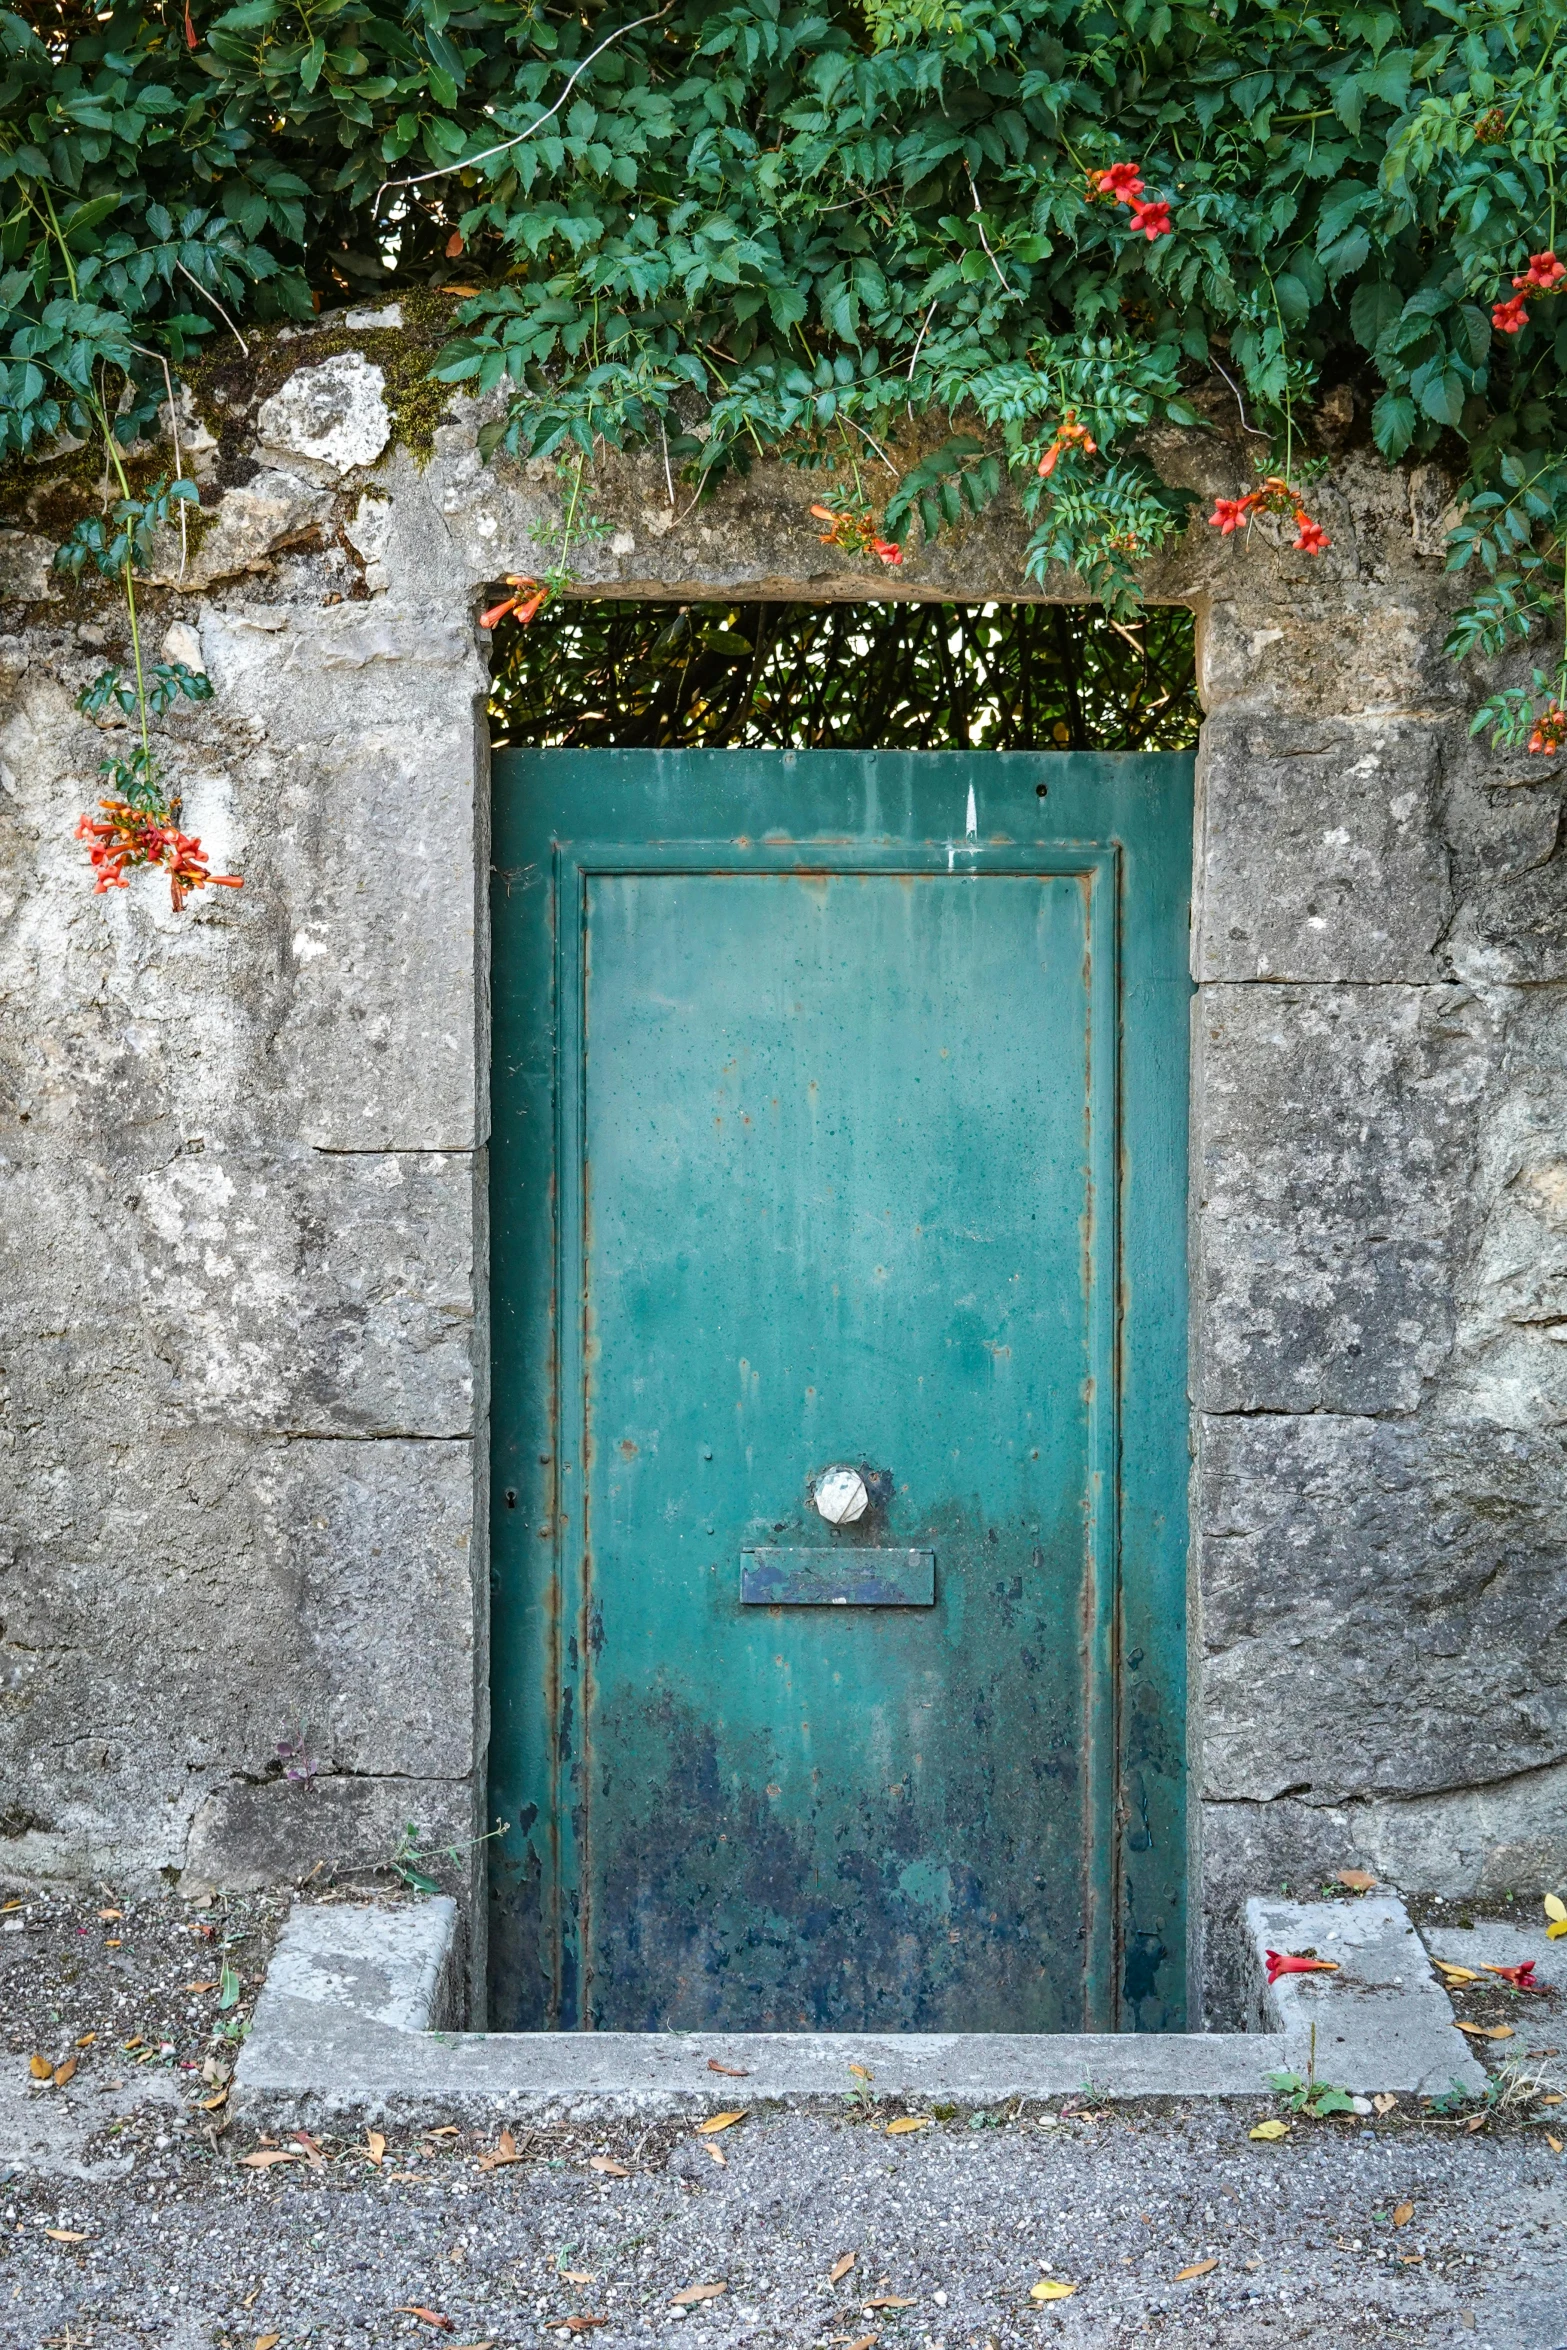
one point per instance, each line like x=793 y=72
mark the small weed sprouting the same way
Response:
x=296 y=1759
x=1313 y=2098
x=860 y=2098
x=409 y=1854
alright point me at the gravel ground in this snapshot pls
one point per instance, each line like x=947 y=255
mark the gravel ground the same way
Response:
x=129 y=2214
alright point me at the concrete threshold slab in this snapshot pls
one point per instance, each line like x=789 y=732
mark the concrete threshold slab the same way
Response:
x=357 y=2015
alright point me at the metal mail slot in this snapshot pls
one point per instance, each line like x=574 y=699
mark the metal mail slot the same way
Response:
x=837 y=1578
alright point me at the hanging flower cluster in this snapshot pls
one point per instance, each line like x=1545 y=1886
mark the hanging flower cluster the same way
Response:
x=124 y=837
x=1070 y=433
x=1124 y=182
x=527 y=600
x=1543 y=276
x=854 y=529
x=1273 y=496
x=1550 y=729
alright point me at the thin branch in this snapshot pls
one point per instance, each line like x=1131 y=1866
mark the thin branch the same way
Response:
x=1254 y=430
x=207 y=295
x=465 y=162
x=669 y=478
x=985 y=241
x=876 y=445
x=179 y=470
x=919 y=338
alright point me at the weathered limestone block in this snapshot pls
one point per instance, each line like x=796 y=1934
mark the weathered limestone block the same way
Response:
x=27 y=574
x=1335 y=1144
x=1320 y=850
x=304 y=1293
x=247 y=1836
x=1509 y=1361
x=373 y=873
x=1504 y=821
x=379 y=1540
x=1383 y=1609
x=331 y=417
x=176 y=1609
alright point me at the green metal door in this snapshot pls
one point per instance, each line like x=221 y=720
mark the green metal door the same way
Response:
x=839 y=1124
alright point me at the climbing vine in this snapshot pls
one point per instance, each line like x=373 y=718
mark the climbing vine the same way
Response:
x=838 y=231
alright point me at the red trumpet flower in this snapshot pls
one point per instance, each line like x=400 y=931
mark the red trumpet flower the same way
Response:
x=1273 y=496
x=1284 y=1962
x=856 y=534
x=528 y=598
x=1543 y=275
x=1069 y=433
x=1510 y=318
x=1151 y=220
x=1123 y=181
x=125 y=837
x=1550 y=730
x=1521 y=1976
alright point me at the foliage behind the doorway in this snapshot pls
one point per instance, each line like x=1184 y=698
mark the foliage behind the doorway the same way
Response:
x=872 y=676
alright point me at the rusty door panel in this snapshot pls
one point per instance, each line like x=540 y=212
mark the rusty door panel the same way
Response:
x=829 y=1131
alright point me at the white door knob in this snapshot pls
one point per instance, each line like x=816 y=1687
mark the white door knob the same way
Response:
x=841 y=1497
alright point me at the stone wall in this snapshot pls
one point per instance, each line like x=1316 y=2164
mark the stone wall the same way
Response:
x=243 y=1277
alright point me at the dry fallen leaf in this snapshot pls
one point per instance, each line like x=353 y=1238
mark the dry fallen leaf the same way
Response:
x=266 y=2342
x=1384 y=2101
x=65 y=2072
x=108 y=1915
x=211 y=2104
x=1051 y=2289
x=407 y=2178
x=269 y=2155
x=717 y=2121
x=863 y=2342
x=66 y=2235
x=841 y=2267
x=431 y=2317
x=736 y=2072
x=1270 y=2130
x=1555 y=2098
x=890 y=2301
x=1554 y=2144
x=375 y=2147
x=1477 y=2121
x=608 y=2167
x=443 y=2130
x=690 y=2293
x=910 y=2121
x=579 y=2276
x=212 y=1986
x=1556 y=1911
x=1402 y=2215
x=1358 y=1880
x=1455 y=1974
x=715 y=2154
x=5 y=1905
x=505 y=2151
x=1487 y=2031
x=40 y=2068
x=86 y=2040
x=584 y=2325
x=1199 y=2268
